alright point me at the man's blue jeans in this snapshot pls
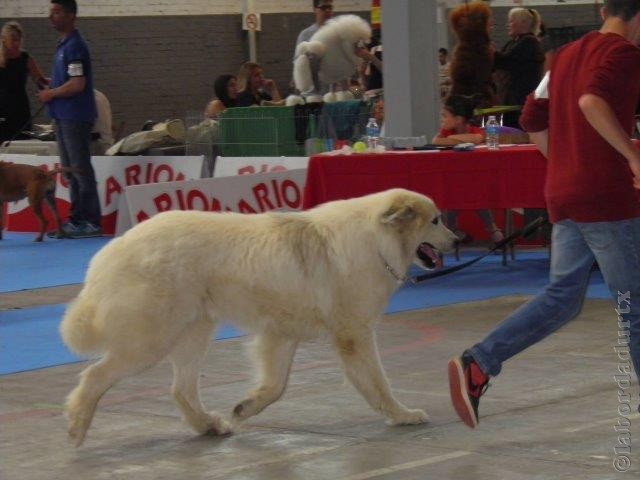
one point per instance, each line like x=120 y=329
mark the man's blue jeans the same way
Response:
x=74 y=144
x=575 y=246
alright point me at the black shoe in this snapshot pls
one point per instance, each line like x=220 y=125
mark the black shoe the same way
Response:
x=467 y=383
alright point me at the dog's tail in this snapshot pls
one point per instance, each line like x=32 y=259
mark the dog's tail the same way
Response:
x=308 y=55
x=78 y=328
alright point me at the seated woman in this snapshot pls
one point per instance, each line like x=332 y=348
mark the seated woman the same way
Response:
x=254 y=88
x=455 y=118
x=226 y=89
x=455 y=128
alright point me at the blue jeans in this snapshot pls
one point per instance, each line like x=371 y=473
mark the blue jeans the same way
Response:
x=74 y=144
x=575 y=246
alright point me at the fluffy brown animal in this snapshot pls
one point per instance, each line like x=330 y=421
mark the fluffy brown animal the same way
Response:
x=472 y=61
x=18 y=181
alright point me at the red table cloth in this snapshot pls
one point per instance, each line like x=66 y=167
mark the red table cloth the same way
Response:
x=512 y=177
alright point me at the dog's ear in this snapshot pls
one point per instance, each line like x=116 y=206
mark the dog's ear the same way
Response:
x=399 y=214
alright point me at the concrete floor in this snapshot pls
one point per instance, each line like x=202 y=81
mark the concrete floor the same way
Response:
x=549 y=415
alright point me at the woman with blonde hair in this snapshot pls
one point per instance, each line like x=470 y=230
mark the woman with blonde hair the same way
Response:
x=15 y=66
x=519 y=64
x=253 y=88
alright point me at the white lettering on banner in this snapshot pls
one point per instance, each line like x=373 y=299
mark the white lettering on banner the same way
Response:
x=244 y=194
x=230 y=166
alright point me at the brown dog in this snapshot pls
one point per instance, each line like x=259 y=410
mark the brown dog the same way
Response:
x=18 y=181
x=472 y=61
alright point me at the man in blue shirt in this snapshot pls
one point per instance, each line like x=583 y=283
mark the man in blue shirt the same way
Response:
x=72 y=105
x=323 y=11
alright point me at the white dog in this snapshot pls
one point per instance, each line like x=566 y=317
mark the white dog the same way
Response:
x=159 y=291
x=328 y=57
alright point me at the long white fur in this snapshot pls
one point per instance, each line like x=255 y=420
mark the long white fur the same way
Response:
x=334 y=45
x=159 y=290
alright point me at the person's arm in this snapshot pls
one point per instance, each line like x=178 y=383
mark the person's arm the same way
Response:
x=302 y=37
x=541 y=140
x=271 y=87
x=213 y=109
x=36 y=74
x=475 y=138
x=70 y=88
x=535 y=121
x=602 y=118
x=456 y=139
x=367 y=56
x=445 y=141
x=523 y=50
x=440 y=139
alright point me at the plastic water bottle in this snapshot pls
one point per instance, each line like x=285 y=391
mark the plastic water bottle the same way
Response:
x=373 y=134
x=492 y=132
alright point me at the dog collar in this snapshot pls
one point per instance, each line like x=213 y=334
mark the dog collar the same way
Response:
x=400 y=279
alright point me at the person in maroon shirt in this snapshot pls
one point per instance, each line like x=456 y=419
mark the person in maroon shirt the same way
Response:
x=581 y=119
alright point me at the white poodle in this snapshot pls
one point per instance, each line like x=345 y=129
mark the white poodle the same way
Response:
x=329 y=57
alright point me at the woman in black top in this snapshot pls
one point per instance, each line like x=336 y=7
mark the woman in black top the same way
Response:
x=15 y=66
x=253 y=88
x=226 y=90
x=519 y=64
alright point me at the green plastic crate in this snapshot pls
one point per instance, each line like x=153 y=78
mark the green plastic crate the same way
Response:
x=258 y=132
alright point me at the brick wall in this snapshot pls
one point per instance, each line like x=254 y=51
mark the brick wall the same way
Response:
x=163 y=67
x=157 y=67
x=128 y=8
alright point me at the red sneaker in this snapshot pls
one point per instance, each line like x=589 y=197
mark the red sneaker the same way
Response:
x=467 y=383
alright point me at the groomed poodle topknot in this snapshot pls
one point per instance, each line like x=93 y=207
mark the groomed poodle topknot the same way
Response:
x=328 y=57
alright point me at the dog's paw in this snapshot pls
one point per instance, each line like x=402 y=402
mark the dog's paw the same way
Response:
x=410 y=417
x=79 y=416
x=243 y=410
x=293 y=100
x=330 y=97
x=218 y=426
x=252 y=406
x=344 y=95
x=77 y=429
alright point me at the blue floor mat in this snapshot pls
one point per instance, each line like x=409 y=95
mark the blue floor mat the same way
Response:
x=25 y=264
x=527 y=275
x=29 y=339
